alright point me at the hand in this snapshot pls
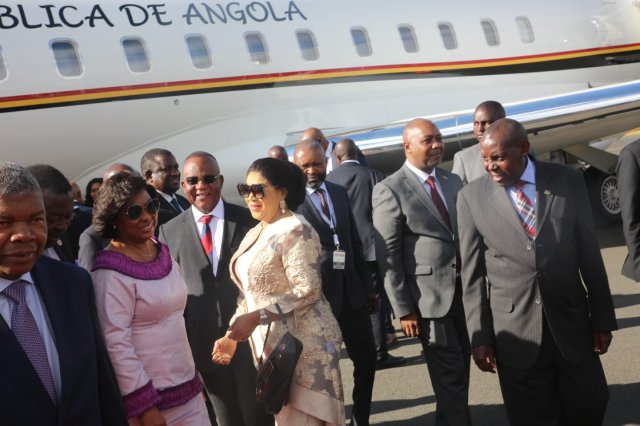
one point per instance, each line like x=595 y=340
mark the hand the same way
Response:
x=484 y=358
x=373 y=303
x=601 y=341
x=223 y=350
x=243 y=326
x=410 y=325
x=152 y=417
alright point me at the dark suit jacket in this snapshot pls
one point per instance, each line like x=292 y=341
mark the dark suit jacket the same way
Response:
x=167 y=211
x=81 y=220
x=63 y=249
x=90 y=394
x=359 y=181
x=355 y=280
x=206 y=291
x=560 y=276
x=629 y=189
x=90 y=244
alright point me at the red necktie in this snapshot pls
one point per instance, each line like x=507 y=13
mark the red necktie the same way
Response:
x=205 y=237
x=437 y=200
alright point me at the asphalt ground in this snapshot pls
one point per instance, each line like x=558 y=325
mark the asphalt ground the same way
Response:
x=403 y=396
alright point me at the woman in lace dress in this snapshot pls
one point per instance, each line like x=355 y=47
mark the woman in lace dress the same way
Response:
x=278 y=262
x=140 y=297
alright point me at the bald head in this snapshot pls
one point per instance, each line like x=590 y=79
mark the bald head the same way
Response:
x=506 y=131
x=118 y=168
x=278 y=152
x=346 y=149
x=315 y=134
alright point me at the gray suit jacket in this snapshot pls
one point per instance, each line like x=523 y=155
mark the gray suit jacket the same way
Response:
x=468 y=164
x=629 y=190
x=207 y=292
x=415 y=250
x=531 y=280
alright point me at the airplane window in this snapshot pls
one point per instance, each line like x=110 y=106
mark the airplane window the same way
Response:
x=66 y=57
x=136 y=53
x=307 y=44
x=408 y=37
x=525 y=28
x=361 y=41
x=3 y=69
x=490 y=32
x=257 y=49
x=199 y=51
x=448 y=35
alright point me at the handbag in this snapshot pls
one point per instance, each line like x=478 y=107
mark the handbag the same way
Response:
x=276 y=372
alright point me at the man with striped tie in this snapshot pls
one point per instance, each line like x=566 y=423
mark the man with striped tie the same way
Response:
x=547 y=314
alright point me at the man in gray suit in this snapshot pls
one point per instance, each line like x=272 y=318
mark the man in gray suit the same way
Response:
x=547 y=314
x=202 y=239
x=467 y=163
x=414 y=218
x=629 y=188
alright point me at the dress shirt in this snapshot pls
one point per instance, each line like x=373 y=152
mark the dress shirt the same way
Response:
x=170 y=198
x=216 y=226
x=529 y=188
x=51 y=253
x=315 y=199
x=423 y=176
x=350 y=161
x=37 y=308
x=331 y=158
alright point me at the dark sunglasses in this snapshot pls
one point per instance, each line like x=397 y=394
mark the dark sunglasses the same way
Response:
x=208 y=179
x=135 y=211
x=257 y=189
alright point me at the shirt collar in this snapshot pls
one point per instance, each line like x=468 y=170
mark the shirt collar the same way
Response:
x=4 y=283
x=165 y=196
x=350 y=161
x=329 y=150
x=217 y=212
x=529 y=174
x=313 y=190
x=421 y=175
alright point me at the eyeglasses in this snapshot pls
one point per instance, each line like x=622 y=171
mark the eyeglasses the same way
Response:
x=208 y=179
x=257 y=189
x=135 y=211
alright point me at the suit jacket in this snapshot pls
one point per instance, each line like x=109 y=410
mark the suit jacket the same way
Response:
x=354 y=281
x=560 y=276
x=468 y=164
x=81 y=220
x=359 y=181
x=167 y=211
x=90 y=243
x=207 y=292
x=90 y=394
x=628 y=171
x=63 y=249
x=416 y=250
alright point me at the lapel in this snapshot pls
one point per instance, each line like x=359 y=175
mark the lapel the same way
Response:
x=246 y=244
x=228 y=232
x=544 y=195
x=505 y=208
x=450 y=198
x=193 y=238
x=313 y=216
x=414 y=184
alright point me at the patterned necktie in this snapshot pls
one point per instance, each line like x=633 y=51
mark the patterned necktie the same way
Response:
x=323 y=203
x=437 y=200
x=176 y=205
x=525 y=210
x=205 y=237
x=27 y=334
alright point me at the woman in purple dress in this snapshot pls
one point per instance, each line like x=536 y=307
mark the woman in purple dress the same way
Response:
x=140 y=297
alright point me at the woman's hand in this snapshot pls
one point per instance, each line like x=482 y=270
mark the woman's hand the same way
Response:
x=223 y=350
x=243 y=326
x=152 y=417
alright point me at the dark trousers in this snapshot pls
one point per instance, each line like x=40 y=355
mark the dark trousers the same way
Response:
x=554 y=392
x=232 y=391
x=447 y=351
x=358 y=339
x=379 y=319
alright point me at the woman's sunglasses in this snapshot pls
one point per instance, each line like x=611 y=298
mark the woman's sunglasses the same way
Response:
x=257 y=189
x=135 y=211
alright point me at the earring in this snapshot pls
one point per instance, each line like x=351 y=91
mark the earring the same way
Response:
x=283 y=207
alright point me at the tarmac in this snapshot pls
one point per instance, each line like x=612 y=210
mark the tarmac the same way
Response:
x=403 y=396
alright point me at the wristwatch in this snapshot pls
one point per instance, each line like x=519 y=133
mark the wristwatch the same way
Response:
x=264 y=319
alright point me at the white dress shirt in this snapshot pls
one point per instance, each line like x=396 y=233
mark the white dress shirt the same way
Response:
x=423 y=176
x=217 y=227
x=331 y=157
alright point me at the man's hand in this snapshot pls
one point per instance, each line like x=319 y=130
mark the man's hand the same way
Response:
x=484 y=358
x=410 y=325
x=373 y=303
x=152 y=417
x=601 y=341
x=243 y=326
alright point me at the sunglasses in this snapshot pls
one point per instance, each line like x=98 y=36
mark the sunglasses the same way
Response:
x=257 y=189
x=208 y=179
x=135 y=211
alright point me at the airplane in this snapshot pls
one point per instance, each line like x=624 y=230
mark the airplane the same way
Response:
x=84 y=84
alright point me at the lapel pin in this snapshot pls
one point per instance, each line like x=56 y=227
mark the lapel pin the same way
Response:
x=547 y=192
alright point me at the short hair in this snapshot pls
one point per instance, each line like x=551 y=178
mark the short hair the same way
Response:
x=346 y=147
x=113 y=195
x=151 y=155
x=511 y=128
x=88 y=199
x=200 y=154
x=15 y=179
x=282 y=174
x=493 y=106
x=309 y=144
x=50 y=179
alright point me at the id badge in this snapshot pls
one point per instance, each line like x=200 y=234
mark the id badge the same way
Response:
x=339 y=258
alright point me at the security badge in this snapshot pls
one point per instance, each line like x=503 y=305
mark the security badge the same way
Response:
x=339 y=258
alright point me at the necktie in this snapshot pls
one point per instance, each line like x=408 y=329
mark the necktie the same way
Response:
x=205 y=237
x=27 y=334
x=176 y=205
x=437 y=200
x=323 y=203
x=525 y=210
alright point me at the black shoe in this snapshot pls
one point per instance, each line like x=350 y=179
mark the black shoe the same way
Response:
x=390 y=362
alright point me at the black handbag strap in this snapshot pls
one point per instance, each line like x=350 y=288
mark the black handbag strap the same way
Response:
x=266 y=337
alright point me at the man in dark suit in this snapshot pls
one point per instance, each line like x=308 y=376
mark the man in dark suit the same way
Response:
x=213 y=295
x=346 y=280
x=628 y=172
x=54 y=366
x=546 y=315
x=416 y=247
x=359 y=181
x=160 y=169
